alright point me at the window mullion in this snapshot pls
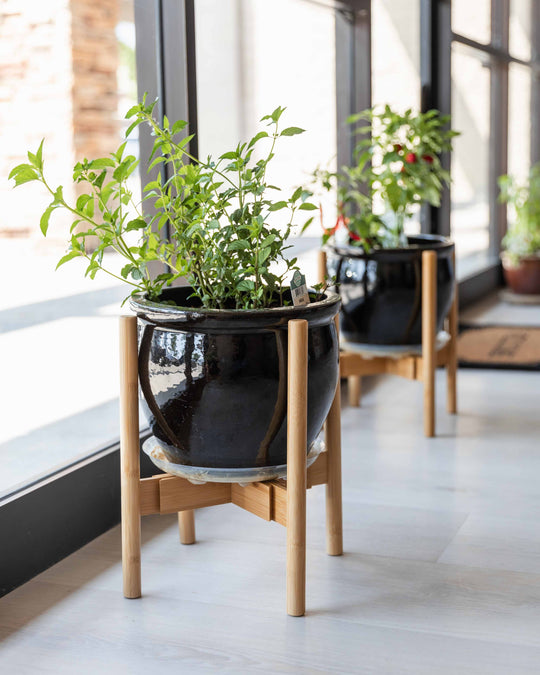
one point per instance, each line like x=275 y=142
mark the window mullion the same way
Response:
x=498 y=165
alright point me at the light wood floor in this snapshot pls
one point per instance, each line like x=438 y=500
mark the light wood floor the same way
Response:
x=441 y=573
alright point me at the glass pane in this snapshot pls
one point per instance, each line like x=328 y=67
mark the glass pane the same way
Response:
x=472 y=19
x=395 y=51
x=520 y=29
x=249 y=61
x=470 y=159
x=68 y=77
x=519 y=122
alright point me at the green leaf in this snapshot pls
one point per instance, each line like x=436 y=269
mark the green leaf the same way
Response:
x=68 y=256
x=101 y=163
x=59 y=195
x=24 y=173
x=263 y=255
x=296 y=194
x=306 y=224
x=257 y=137
x=132 y=126
x=239 y=245
x=292 y=131
x=82 y=200
x=136 y=224
x=118 y=154
x=132 y=111
x=307 y=206
x=39 y=155
x=178 y=126
x=44 y=221
x=276 y=206
x=245 y=285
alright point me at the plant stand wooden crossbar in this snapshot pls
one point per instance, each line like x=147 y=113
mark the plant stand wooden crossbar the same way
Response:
x=419 y=367
x=278 y=500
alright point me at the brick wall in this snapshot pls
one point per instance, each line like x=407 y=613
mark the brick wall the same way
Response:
x=58 y=62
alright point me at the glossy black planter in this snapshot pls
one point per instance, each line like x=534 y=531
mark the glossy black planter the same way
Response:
x=381 y=291
x=214 y=382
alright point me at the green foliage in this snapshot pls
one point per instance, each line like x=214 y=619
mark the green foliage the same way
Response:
x=397 y=168
x=523 y=236
x=218 y=213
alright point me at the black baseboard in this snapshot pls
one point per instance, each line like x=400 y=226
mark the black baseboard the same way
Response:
x=54 y=517
x=478 y=286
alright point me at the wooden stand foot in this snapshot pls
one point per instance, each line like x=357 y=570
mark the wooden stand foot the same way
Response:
x=334 y=518
x=354 y=387
x=429 y=318
x=129 y=458
x=186 y=526
x=451 y=365
x=296 y=468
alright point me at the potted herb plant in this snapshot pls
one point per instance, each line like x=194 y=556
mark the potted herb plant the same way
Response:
x=521 y=256
x=212 y=354
x=377 y=268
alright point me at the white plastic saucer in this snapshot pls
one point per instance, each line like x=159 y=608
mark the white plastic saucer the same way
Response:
x=391 y=351
x=199 y=474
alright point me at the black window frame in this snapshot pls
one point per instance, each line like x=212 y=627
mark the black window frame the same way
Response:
x=53 y=516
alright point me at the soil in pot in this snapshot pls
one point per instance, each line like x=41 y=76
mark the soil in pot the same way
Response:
x=523 y=278
x=381 y=291
x=214 y=382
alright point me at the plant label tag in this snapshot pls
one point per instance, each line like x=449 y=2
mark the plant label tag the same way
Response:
x=299 y=289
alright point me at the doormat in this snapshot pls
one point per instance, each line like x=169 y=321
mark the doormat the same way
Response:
x=506 y=347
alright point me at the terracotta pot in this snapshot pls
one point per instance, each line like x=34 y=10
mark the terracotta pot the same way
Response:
x=214 y=382
x=381 y=291
x=523 y=277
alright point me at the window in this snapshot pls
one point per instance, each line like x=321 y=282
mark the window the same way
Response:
x=495 y=106
x=470 y=160
x=68 y=77
x=395 y=48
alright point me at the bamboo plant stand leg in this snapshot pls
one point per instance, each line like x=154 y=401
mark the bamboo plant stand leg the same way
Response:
x=451 y=363
x=186 y=526
x=354 y=389
x=296 y=468
x=429 y=319
x=334 y=517
x=129 y=458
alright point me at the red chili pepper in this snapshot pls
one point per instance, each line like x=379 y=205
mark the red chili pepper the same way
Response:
x=428 y=159
x=352 y=234
x=398 y=147
x=410 y=158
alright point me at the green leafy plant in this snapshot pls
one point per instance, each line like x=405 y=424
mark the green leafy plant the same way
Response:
x=218 y=214
x=397 y=167
x=523 y=236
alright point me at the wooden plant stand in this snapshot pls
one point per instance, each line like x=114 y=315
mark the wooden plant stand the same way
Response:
x=278 y=500
x=419 y=367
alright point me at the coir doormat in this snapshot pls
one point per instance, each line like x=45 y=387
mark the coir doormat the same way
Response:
x=511 y=347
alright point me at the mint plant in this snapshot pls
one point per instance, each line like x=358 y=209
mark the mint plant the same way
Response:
x=397 y=167
x=523 y=236
x=218 y=211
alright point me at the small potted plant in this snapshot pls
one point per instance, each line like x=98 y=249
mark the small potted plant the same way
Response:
x=212 y=354
x=377 y=268
x=521 y=256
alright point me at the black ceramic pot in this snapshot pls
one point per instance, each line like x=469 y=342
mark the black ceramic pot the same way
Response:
x=381 y=291
x=214 y=382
